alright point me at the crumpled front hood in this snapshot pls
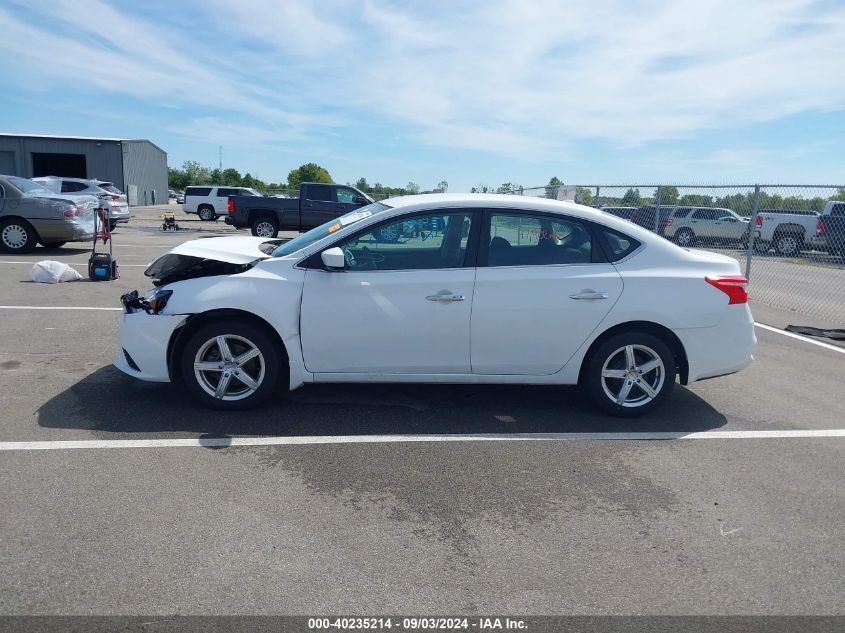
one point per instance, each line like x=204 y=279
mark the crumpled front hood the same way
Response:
x=234 y=250
x=209 y=257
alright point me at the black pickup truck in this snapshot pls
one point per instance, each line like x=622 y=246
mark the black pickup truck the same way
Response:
x=317 y=204
x=831 y=227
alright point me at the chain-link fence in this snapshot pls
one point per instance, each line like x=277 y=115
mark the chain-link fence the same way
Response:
x=789 y=239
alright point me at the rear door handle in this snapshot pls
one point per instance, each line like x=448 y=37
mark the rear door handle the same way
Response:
x=589 y=296
x=445 y=298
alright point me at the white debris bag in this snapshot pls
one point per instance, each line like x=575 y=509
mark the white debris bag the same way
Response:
x=52 y=272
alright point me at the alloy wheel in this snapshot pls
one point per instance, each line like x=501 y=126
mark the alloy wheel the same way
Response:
x=229 y=367
x=787 y=245
x=264 y=229
x=633 y=375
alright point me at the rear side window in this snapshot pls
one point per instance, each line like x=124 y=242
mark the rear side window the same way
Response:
x=322 y=193
x=682 y=213
x=197 y=191
x=529 y=240
x=224 y=192
x=705 y=214
x=838 y=210
x=72 y=187
x=617 y=244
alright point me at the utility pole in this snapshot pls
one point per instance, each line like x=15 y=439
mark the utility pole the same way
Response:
x=220 y=165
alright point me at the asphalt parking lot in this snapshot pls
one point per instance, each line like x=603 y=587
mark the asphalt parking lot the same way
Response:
x=522 y=518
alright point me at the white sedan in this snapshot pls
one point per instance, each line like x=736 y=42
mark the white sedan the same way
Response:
x=471 y=289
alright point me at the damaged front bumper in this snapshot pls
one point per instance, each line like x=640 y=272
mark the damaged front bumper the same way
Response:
x=145 y=341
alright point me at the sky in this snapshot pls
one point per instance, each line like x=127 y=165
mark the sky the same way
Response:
x=474 y=93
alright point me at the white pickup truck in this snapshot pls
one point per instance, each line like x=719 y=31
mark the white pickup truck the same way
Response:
x=787 y=231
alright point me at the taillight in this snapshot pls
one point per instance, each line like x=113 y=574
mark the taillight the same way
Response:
x=821 y=229
x=231 y=206
x=114 y=196
x=73 y=213
x=731 y=285
x=758 y=221
x=667 y=222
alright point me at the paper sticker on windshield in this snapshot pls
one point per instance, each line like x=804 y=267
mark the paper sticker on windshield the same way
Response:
x=349 y=218
x=334 y=227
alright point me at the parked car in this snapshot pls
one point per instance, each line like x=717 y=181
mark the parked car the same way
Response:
x=113 y=198
x=317 y=203
x=785 y=230
x=513 y=290
x=831 y=227
x=690 y=225
x=646 y=218
x=626 y=213
x=180 y=197
x=31 y=214
x=210 y=201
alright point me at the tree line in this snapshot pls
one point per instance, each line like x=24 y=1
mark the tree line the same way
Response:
x=193 y=173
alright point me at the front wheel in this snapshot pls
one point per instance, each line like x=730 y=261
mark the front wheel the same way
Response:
x=265 y=227
x=231 y=365
x=630 y=374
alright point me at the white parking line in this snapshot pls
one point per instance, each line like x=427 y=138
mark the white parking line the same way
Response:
x=222 y=442
x=56 y=308
x=841 y=350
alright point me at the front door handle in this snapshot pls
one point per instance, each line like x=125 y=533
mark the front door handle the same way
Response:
x=445 y=297
x=589 y=296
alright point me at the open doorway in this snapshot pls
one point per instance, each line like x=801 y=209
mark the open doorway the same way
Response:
x=68 y=165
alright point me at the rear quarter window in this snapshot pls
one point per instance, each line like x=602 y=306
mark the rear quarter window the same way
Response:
x=616 y=244
x=197 y=191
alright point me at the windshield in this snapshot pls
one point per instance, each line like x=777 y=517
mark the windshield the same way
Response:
x=324 y=230
x=29 y=188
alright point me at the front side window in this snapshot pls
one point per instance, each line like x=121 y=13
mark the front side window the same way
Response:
x=423 y=242
x=527 y=240
x=324 y=230
x=346 y=196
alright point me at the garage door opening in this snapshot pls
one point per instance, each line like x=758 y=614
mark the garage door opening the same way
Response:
x=68 y=165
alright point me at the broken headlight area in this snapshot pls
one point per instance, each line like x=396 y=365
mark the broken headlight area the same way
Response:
x=173 y=267
x=152 y=303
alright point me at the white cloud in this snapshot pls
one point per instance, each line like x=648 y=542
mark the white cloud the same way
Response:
x=505 y=77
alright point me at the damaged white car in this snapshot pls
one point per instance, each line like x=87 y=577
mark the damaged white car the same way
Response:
x=469 y=289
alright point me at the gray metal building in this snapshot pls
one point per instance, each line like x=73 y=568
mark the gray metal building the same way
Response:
x=135 y=166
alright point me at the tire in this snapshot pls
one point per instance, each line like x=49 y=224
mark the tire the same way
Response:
x=788 y=243
x=53 y=244
x=265 y=226
x=206 y=213
x=612 y=356
x=17 y=236
x=685 y=237
x=112 y=225
x=264 y=370
x=388 y=234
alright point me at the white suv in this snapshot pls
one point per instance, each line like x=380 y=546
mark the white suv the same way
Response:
x=210 y=201
x=114 y=199
x=688 y=226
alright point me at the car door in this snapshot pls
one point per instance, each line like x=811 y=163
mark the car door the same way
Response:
x=542 y=287
x=347 y=199
x=703 y=223
x=398 y=308
x=317 y=205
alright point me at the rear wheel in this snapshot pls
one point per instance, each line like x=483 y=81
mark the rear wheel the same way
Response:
x=231 y=365
x=788 y=243
x=206 y=213
x=685 y=237
x=265 y=226
x=630 y=374
x=17 y=236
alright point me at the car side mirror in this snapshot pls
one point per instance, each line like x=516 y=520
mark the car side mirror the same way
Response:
x=333 y=259
x=361 y=200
